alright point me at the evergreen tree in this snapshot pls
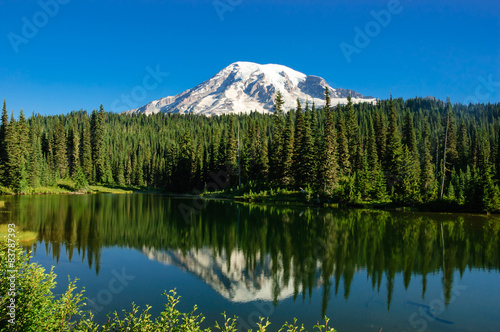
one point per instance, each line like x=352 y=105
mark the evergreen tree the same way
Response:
x=328 y=168
x=86 y=148
x=185 y=164
x=12 y=164
x=409 y=138
x=308 y=157
x=60 y=149
x=3 y=144
x=352 y=129
x=74 y=143
x=35 y=158
x=463 y=146
x=343 y=147
x=451 y=142
x=394 y=149
x=263 y=158
x=276 y=159
x=98 y=132
x=427 y=175
x=288 y=151
x=380 y=134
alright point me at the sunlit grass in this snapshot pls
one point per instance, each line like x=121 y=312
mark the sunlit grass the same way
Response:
x=109 y=190
x=24 y=237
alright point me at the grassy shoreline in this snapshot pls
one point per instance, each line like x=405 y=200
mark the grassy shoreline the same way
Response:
x=67 y=187
x=272 y=196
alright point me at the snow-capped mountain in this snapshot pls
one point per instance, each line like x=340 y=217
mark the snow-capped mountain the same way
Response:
x=236 y=281
x=243 y=87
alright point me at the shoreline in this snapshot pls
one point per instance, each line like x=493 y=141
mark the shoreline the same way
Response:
x=296 y=198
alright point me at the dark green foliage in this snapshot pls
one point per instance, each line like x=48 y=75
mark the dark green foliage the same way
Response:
x=328 y=165
x=86 y=148
x=343 y=146
x=392 y=151
x=3 y=144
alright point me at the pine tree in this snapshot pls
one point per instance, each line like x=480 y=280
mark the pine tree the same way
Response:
x=74 y=143
x=297 y=144
x=451 y=142
x=86 y=148
x=288 y=151
x=13 y=170
x=463 y=146
x=263 y=164
x=276 y=159
x=328 y=168
x=308 y=156
x=380 y=134
x=394 y=149
x=36 y=156
x=409 y=138
x=98 y=132
x=231 y=156
x=427 y=175
x=60 y=149
x=3 y=144
x=352 y=129
x=343 y=147
x=409 y=185
x=186 y=163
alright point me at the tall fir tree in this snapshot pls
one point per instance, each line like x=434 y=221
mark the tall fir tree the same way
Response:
x=3 y=144
x=343 y=147
x=277 y=156
x=380 y=134
x=288 y=150
x=86 y=148
x=394 y=148
x=328 y=168
x=98 y=132
x=427 y=176
x=35 y=159
x=352 y=129
x=60 y=149
x=74 y=148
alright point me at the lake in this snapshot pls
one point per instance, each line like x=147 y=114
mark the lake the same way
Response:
x=365 y=270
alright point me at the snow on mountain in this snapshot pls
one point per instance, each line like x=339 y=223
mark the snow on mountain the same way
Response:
x=243 y=87
x=235 y=281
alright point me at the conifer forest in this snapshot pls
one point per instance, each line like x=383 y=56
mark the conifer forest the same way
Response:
x=415 y=152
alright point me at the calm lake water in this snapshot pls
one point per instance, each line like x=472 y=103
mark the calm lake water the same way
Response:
x=365 y=270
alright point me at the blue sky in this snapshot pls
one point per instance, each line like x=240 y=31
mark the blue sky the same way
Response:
x=84 y=53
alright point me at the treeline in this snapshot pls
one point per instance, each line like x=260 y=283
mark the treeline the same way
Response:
x=409 y=152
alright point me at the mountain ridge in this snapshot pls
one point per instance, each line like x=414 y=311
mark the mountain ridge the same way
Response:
x=243 y=87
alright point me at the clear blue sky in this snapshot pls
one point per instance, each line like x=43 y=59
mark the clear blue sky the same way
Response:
x=85 y=53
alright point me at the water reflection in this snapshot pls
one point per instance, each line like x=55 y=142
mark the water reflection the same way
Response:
x=257 y=252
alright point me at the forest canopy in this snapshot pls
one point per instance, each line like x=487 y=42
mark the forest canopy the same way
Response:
x=408 y=152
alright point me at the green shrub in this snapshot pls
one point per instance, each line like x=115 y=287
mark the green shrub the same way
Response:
x=36 y=308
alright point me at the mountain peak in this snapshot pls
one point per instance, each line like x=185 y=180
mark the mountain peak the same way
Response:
x=243 y=87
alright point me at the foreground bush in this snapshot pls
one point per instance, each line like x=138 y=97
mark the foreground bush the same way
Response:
x=37 y=309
